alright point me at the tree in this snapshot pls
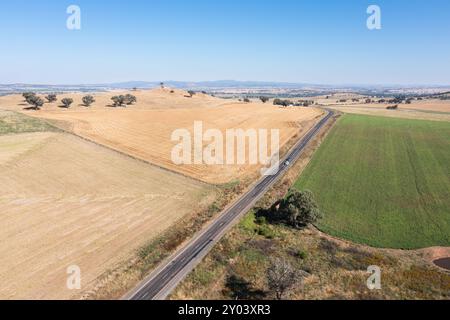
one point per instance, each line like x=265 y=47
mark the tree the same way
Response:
x=67 y=102
x=27 y=95
x=51 y=98
x=246 y=100
x=130 y=99
x=300 y=209
x=264 y=99
x=191 y=93
x=88 y=100
x=162 y=85
x=35 y=101
x=118 y=100
x=282 y=277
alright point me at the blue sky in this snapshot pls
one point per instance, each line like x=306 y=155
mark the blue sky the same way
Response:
x=312 y=41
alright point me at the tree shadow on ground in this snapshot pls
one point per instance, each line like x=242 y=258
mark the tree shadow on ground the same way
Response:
x=238 y=288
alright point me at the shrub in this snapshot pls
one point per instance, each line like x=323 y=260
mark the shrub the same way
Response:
x=51 y=98
x=191 y=93
x=88 y=100
x=302 y=254
x=67 y=102
x=264 y=99
x=246 y=100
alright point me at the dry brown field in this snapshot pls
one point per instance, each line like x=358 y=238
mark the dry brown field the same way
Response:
x=66 y=201
x=144 y=130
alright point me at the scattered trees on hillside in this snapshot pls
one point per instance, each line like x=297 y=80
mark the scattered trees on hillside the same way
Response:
x=67 y=102
x=51 y=98
x=264 y=99
x=121 y=100
x=284 y=103
x=282 y=277
x=88 y=100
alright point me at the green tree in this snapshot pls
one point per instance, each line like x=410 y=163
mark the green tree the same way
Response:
x=300 y=209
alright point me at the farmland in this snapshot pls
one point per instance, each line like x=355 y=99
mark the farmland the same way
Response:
x=144 y=130
x=384 y=182
x=66 y=201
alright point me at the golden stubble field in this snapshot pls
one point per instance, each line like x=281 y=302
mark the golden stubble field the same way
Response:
x=144 y=130
x=68 y=201
x=65 y=201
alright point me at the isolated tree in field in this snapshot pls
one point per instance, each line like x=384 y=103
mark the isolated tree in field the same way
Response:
x=118 y=100
x=130 y=99
x=300 y=209
x=67 y=102
x=88 y=100
x=35 y=101
x=282 y=277
x=264 y=99
x=51 y=98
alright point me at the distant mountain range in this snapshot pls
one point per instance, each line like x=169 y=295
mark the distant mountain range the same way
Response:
x=217 y=86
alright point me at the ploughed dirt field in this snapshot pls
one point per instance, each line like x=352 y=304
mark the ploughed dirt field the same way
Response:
x=66 y=201
x=144 y=130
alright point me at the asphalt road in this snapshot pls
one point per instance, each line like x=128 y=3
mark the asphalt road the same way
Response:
x=159 y=284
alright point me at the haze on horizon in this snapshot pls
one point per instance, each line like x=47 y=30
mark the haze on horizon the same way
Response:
x=316 y=42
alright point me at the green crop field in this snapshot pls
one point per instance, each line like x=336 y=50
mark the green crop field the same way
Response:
x=384 y=182
x=12 y=122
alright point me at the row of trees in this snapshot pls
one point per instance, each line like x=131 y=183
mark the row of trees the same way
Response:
x=37 y=102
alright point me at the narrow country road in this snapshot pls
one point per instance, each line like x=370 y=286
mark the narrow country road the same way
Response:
x=160 y=283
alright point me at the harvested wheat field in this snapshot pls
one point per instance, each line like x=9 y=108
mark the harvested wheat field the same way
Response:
x=66 y=201
x=144 y=130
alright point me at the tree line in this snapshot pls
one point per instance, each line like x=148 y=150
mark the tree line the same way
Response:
x=37 y=102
